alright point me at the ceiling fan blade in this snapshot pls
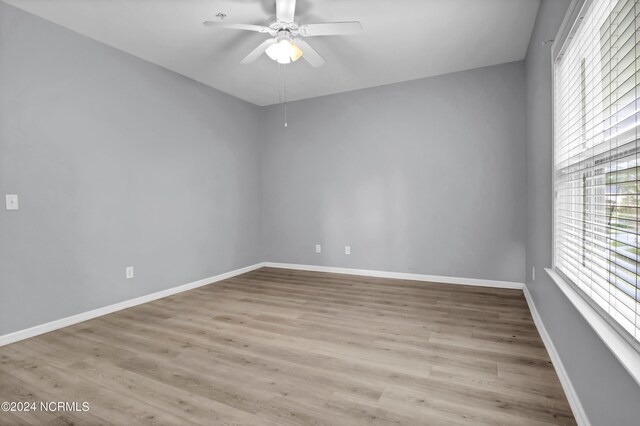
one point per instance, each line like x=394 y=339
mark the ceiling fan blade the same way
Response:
x=258 y=51
x=310 y=54
x=285 y=10
x=331 y=28
x=232 y=26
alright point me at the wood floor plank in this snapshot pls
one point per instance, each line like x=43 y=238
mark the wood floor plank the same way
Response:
x=278 y=346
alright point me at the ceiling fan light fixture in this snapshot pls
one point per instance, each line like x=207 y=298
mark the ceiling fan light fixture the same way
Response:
x=284 y=52
x=296 y=52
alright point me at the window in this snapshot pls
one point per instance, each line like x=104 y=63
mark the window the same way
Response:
x=597 y=161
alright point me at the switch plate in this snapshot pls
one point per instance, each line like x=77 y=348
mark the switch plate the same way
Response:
x=347 y=249
x=12 y=201
x=318 y=248
x=129 y=272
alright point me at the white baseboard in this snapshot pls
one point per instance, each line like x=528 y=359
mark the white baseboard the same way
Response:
x=565 y=381
x=74 y=319
x=398 y=275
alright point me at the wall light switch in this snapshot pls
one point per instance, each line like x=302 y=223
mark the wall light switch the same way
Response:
x=12 y=201
x=347 y=249
x=318 y=248
x=129 y=272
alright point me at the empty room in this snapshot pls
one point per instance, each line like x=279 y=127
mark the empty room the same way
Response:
x=320 y=212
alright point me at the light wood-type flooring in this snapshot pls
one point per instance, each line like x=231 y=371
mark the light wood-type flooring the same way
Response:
x=285 y=347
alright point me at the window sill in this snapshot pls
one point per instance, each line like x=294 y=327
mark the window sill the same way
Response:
x=623 y=350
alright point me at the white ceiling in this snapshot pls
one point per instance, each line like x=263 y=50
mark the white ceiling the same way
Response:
x=402 y=39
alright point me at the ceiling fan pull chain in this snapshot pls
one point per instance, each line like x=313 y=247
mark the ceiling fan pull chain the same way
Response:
x=285 y=97
x=279 y=83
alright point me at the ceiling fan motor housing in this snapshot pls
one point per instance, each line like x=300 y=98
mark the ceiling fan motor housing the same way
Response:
x=284 y=34
x=290 y=27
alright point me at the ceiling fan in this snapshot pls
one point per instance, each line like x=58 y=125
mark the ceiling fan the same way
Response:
x=287 y=43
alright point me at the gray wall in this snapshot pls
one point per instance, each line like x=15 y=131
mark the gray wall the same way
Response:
x=608 y=394
x=117 y=162
x=425 y=176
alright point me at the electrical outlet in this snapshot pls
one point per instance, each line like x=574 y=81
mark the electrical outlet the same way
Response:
x=347 y=249
x=318 y=248
x=129 y=272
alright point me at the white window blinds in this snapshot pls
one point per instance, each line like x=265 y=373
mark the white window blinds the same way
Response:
x=597 y=161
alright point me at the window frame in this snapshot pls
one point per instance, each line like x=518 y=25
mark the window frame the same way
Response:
x=624 y=346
